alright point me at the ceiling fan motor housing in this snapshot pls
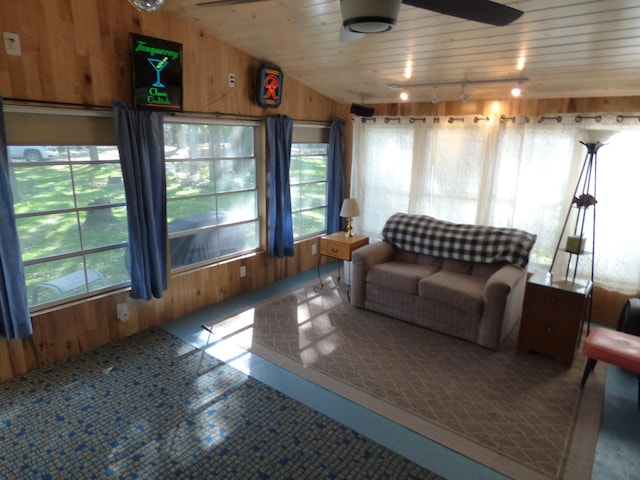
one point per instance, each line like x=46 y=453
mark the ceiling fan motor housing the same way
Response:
x=366 y=16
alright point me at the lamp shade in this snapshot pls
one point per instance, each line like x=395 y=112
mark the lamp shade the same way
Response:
x=350 y=208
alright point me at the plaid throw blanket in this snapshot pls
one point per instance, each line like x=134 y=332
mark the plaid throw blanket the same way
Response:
x=472 y=243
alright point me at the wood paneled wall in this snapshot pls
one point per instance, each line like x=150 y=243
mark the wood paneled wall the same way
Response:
x=76 y=52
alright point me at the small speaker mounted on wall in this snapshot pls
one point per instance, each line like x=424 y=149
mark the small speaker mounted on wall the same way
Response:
x=361 y=110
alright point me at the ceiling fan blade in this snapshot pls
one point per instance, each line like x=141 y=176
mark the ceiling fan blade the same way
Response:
x=348 y=35
x=483 y=11
x=212 y=3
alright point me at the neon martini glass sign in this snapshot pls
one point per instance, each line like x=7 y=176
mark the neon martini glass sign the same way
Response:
x=156 y=73
x=158 y=65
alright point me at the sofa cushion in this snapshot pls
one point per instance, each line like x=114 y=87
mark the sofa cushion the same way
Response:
x=404 y=256
x=429 y=260
x=457 y=266
x=456 y=289
x=400 y=276
x=485 y=270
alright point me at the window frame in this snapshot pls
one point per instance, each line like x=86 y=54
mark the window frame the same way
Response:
x=296 y=204
x=309 y=134
x=43 y=126
x=258 y=189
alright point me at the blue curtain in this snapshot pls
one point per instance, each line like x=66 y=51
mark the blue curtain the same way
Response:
x=279 y=136
x=141 y=145
x=335 y=176
x=15 y=321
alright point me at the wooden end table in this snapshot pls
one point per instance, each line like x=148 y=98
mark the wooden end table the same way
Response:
x=552 y=315
x=338 y=245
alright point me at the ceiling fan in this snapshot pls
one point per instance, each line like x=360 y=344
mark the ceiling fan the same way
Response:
x=360 y=17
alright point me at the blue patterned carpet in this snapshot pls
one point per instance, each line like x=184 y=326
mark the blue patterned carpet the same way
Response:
x=152 y=406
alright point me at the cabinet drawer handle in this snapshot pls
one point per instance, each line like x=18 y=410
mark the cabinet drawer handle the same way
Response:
x=548 y=328
x=334 y=250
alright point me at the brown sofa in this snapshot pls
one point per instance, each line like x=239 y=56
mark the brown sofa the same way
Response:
x=463 y=280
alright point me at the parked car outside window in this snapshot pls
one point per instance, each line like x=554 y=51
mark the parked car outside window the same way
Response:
x=33 y=153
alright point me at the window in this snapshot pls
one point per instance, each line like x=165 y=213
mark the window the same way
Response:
x=519 y=174
x=71 y=219
x=308 y=179
x=69 y=202
x=212 y=190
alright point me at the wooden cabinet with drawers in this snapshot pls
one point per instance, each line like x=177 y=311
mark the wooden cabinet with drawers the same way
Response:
x=552 y=316
x=338 y=245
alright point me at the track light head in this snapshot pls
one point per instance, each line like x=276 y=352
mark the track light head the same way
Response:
x=463 y=96
x=434 y=98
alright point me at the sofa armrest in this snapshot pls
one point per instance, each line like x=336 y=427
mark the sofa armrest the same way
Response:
x=361 y=260
x=500 y=284
x=503 y=297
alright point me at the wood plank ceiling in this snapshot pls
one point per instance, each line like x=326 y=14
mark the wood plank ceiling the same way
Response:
x=565 y=48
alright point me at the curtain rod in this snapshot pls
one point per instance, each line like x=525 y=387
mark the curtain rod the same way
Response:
x=503 y=118
x=239 y=116
x=88 y=106
x=50 y=103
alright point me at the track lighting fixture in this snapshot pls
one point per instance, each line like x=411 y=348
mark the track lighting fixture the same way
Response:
x=463 y=96
x=517 y=91
x=404 y=96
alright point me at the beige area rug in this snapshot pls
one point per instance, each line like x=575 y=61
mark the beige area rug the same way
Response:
x=521 y=414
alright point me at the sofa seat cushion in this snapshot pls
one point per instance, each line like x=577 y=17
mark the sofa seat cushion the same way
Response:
x=459 y=290
x=400 y=276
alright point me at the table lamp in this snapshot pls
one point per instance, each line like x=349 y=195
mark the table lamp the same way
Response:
x=349 y=210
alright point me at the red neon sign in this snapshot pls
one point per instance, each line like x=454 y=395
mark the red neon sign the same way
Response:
x=269 y=86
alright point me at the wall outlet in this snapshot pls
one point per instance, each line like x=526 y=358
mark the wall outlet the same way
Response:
x=123 y=312
x=243 y=271
x=232 y=80
x=12 y=43
x=314 y=249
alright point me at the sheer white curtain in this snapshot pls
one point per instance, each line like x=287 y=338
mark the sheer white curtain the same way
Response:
x=382 y=166
x=536 y=168
x=520 y=172
x=454 y=173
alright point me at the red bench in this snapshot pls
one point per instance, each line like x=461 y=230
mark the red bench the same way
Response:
x=614 y=347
